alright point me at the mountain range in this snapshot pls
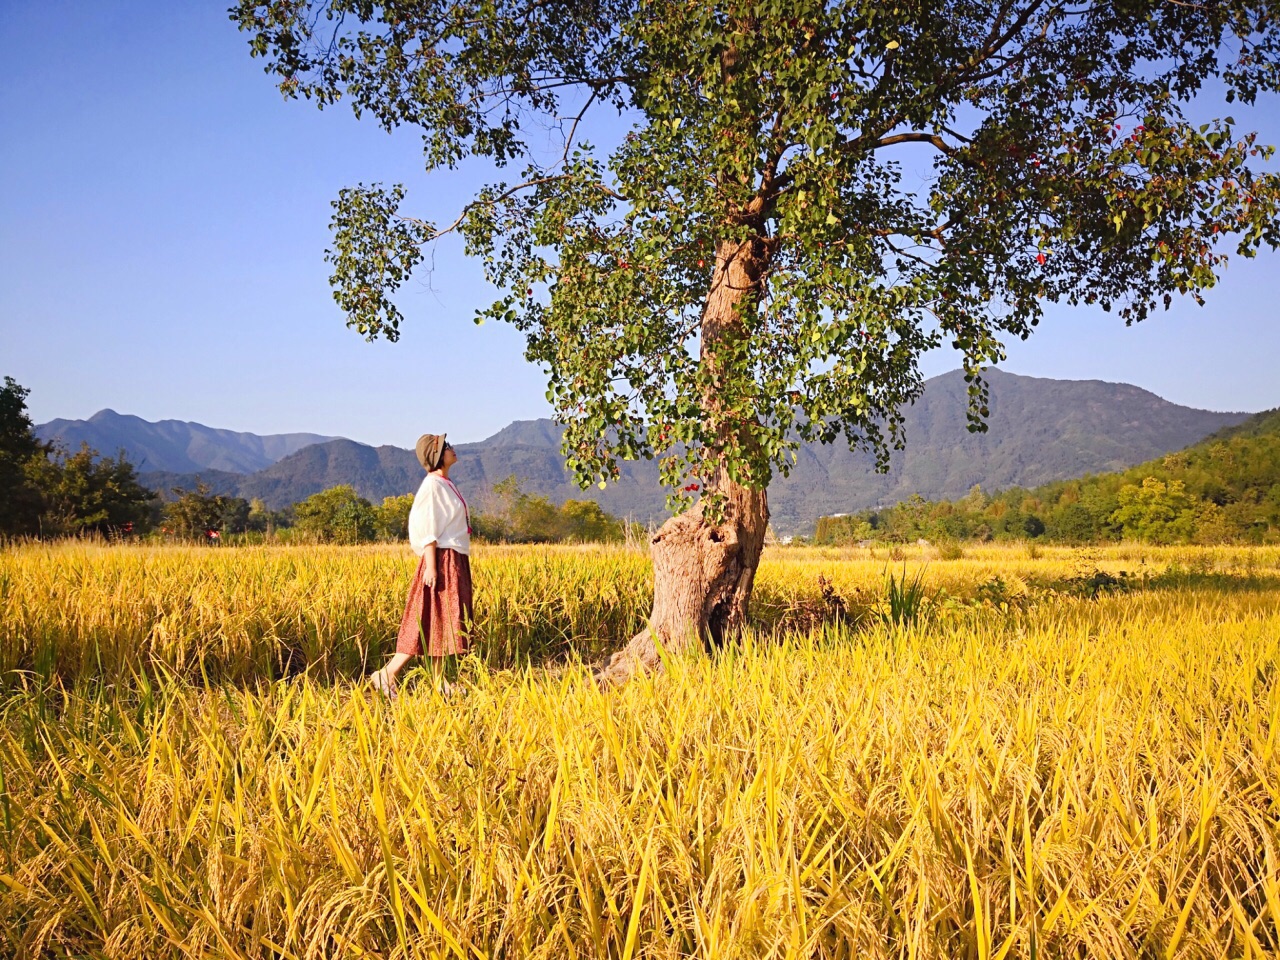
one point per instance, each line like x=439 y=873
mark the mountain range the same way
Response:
x=1039 y=430
x=176 y=446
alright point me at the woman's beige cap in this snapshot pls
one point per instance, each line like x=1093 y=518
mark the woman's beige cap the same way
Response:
x=430 y=449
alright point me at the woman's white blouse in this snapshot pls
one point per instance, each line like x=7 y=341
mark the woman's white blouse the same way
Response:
x=438 y=514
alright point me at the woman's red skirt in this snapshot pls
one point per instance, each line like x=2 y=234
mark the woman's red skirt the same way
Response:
x=438 y=620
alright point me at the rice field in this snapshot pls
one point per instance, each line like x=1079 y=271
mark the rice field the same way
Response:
x=1064 y=753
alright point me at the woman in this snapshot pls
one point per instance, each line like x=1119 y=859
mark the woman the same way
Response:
x=437 y=616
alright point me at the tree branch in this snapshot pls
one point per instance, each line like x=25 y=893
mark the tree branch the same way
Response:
x=490 y=201
x=932 y=138
x=573 y=129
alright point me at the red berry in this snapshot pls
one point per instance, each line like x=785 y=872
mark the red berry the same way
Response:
x=1040 y=258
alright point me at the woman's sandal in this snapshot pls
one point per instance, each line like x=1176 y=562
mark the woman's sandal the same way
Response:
x=384 y=683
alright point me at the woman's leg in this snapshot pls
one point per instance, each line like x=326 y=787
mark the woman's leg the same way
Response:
x=384 y=679
x=397 y=664
x=408 y=638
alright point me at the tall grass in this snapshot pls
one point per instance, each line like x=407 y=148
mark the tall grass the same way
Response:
x=1064 y=777
x=904 y=599
x=69 y=611
x=265 y=612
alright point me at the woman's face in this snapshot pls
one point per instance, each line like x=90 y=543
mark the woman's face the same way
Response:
x=449 y=457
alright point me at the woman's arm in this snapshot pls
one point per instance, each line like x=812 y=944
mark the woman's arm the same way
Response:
x=425 y=519
x=429 y=566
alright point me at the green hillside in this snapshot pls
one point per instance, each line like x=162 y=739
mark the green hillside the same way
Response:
x=1224 y=489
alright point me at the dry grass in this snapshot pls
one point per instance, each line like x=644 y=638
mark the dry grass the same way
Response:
x=1027 y=772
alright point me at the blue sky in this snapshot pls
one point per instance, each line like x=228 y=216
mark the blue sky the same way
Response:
x=164 y=214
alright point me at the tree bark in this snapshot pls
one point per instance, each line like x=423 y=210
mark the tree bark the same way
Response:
x=704 y=572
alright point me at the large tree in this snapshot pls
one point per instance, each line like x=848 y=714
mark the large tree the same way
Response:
x=20 y=448
x=337 y=515
x=755 y=264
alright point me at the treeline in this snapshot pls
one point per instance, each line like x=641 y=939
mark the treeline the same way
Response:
x=1223 y=490
x=341 y=515
x=508 y=514
x=46 y=491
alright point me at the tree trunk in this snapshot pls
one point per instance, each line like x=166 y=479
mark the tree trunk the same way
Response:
x=703 y=572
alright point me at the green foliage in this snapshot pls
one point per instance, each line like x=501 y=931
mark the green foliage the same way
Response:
x=374 y=251
x=1226 y=489
x=843 y=529
x=391 y=519
x=85 y=493
x=262 y=519
x=1095 y=583
x=337 y=515
x=587 y=522
x=750 y=267
x=195 y=512
x=1155 y=512
x=235 y=515
x=513 y=516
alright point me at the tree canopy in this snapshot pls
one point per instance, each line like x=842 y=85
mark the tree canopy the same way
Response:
x=754 y=263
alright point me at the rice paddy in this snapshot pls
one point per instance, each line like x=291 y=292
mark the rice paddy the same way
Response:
x=1059 y=753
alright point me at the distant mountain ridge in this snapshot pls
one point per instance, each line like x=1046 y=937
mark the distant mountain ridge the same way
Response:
x=1224 y=489
x=1039 y=430
x=176 y=446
